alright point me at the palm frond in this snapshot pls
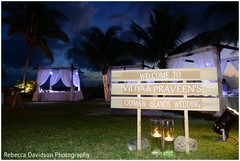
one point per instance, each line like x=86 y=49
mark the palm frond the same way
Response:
x=112 y=31
x=161 y=36
x=139 y=32
x=56 y=34
x=222 y=9
x=14 y=10
x=226 y=34
x=42 y=44
x=55 y=14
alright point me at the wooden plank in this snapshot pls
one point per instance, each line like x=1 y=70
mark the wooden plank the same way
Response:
x=186 y=129
x=165 y=89
x=166 y=103
x=139 y=127
x=165 y=74
x=139 y=130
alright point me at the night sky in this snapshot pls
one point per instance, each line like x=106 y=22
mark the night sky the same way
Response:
x=82 y=15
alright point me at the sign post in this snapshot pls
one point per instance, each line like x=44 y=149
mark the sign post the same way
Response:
x=186 y=129
x=166 y=89
x=139 y=130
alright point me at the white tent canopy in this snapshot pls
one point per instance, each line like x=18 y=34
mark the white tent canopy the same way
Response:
x=207 y=57
x=233 y=60
x=69 y=77
x=56 y=74
x=204 y=58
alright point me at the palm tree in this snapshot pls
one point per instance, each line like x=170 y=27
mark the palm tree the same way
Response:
x=103 y=49
x=161 y=37
x=227 y=34
x=35 y=22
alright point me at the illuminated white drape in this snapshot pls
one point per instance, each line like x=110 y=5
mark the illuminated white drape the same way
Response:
x=206 y=59
x=55 y=76
x=42 y=77
x=223 y=65
x=177 y=62
x=76 y=80
x=235 y=64
x=234 y=61
x=174 y=63
x=210 y=59
x=66 y=77
x=69 y=78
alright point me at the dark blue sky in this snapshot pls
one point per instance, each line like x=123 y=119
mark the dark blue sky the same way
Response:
x=82 y=15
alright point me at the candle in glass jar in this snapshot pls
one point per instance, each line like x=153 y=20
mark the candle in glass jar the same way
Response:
x=168 y=137
x=156 y=134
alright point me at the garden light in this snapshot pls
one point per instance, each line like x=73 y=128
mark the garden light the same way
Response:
x=224 y=123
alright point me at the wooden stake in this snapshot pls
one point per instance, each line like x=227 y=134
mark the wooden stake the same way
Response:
x=186 y=130
x=139 y=139
x=139 y=127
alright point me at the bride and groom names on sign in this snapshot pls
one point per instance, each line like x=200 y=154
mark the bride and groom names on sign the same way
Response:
x=166 y=89
x=161 y=89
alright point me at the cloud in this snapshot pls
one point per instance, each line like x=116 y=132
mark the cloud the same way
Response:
x=14 y=53
x=90 y=78
x=13 y=74
x=79 y=15
x=118 y=17
x=139 y=12
x=10 y=55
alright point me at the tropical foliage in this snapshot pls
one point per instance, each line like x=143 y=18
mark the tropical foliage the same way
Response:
x=35 y=23
x=103 y=49
x=226 y=34
x=161 y=37
x=29 y=87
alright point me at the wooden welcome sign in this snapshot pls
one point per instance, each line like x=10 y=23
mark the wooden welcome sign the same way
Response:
x=166 y=89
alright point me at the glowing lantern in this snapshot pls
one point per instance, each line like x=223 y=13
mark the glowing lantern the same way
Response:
x=168 y=137
x=156 y=136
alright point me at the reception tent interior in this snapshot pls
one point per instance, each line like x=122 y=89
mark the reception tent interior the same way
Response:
x=69 y=77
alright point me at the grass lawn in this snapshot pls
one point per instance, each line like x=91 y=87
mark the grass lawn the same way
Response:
x=59 y=130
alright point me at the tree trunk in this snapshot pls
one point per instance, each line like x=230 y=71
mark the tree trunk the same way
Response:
x=163 y=63
x=29 y=51
x=105 y=87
